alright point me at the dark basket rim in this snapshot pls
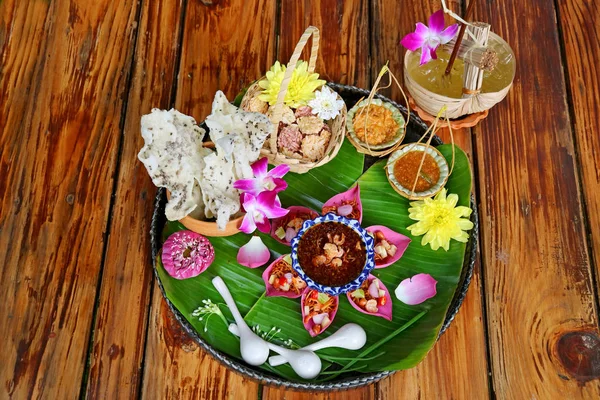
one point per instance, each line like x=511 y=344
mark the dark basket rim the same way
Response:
x=157 y=224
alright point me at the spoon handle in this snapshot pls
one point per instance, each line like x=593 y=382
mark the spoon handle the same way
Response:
x=224 y=292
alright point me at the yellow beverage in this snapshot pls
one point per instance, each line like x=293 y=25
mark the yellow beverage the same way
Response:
x=432 y=76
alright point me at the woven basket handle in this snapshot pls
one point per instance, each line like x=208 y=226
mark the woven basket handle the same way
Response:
x=287 y=77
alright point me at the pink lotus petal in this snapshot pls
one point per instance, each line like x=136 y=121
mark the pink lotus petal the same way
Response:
x=292 y=212
x=384 y=311
x=417 y=289
x=254 y=253
x=259 y=168
x=400 y=241
x=271 y=291
x=308 y=325
x=448 y=33
x=351 y=195
x=436 y=22
x=186 y=254
x=412 y=41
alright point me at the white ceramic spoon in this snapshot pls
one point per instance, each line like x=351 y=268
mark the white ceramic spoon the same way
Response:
x=350 y=336
x=255 y=351
x=304 y=362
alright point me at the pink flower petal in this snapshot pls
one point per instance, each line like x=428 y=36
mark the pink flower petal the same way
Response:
x=350 y=196
x=271 y=291
x=264 y=226
x=448 y=34
x=422 y=30
x=254 y=253
x=308 y=322
x=412 y=41
x=186 y=254
x=426 y=55
x=248 y=225
x=400 y=241
x=436 y=22
x=293 y=211
x=279 y=185
x=268 y=203
x=279 y=171
x=259 y=168
x=417 y=289
x=252 y=186
x=384 y=311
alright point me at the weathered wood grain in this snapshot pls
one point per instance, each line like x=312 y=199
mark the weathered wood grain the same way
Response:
x=225 y=46
x=176 y=368
x=345 y=32
x=537 y=270
x=343 y=58
x=121 y=322
x=580 y=24
x=64 y=69
x=456 y=367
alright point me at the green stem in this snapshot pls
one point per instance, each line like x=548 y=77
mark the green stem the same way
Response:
x=337 y=372
x=330 y=358
x=379 y=343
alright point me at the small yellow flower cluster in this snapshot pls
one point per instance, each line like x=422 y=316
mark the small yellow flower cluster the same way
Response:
x=300 y=90
x=440 y=220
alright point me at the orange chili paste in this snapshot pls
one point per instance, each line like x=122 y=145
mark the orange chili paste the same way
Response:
x=406 y=167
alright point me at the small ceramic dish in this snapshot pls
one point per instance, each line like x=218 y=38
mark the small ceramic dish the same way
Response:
x=396 y=115
x=407 y=192
x=366 y=238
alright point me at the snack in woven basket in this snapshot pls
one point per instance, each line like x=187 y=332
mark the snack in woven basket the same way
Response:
x=308 y=117
x=379 y=125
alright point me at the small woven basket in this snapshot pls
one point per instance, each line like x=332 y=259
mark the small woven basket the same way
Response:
x=432 y=102
x=337 y=125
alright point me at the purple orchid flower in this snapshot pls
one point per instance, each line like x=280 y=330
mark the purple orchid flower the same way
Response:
x=259 y=209
x=429 y=38
x=264 y=180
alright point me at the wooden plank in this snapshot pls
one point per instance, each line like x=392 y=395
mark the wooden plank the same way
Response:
x=579 y=21
x=64 y=68
x=456 y=367
x=344 y=45
x=121 y=322
x=343 y=58
x=537 y=270
x=225 y=46
x=176 y=368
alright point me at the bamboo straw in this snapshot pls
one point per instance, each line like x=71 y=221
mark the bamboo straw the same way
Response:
x=459 y=38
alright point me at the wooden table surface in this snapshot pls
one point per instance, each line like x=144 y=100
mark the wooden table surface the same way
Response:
x=81 y=314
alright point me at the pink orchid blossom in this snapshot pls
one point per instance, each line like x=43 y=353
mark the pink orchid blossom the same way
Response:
x=259 y=209
x=264 y=180
x=254 y=253
x=417 y=289
x=429 y=38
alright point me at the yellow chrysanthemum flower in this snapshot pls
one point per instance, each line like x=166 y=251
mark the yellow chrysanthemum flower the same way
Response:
x=300 y=90
x=440 y=220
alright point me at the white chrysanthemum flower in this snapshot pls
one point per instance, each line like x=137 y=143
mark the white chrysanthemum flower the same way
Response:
x=326 y=104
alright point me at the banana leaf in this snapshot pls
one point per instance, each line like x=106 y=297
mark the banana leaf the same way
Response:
x=399 y=344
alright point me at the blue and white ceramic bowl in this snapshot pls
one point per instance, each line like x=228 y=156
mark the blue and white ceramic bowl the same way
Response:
x=355 y=226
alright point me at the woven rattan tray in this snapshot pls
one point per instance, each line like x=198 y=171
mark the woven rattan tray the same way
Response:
x=416 y=128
